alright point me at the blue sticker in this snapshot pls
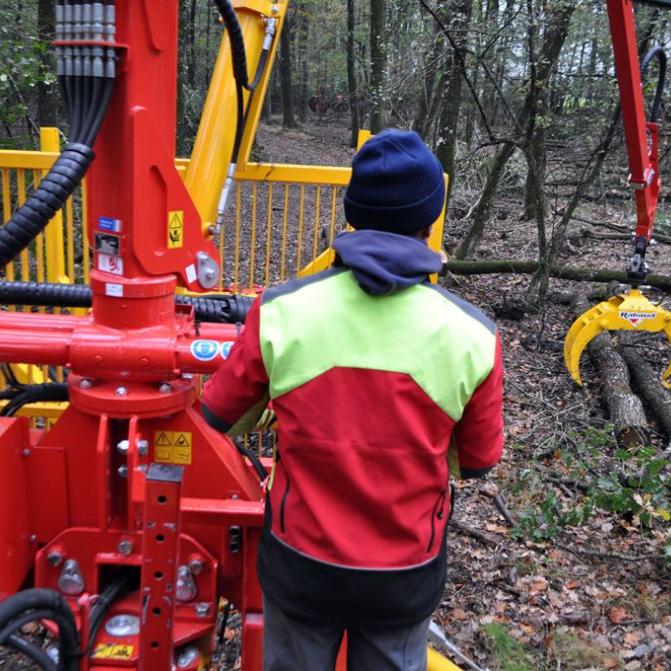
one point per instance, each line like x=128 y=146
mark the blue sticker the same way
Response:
x=226 y=349
x=204 y=350
x=109 y=224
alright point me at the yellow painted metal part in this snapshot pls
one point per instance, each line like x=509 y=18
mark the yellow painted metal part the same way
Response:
x=436 y=662
x=631 y=311
x=206 y=173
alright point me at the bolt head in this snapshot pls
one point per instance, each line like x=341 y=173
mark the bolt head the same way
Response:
x=196 y=566
x=85 y=383
x=122 y=471
x=165 y=388
x=55 y=558
x=33 y=538
x=202 y=609
x=121 y=391
x=25 y=452
x=123 y=446
x=142 y=447
x=125 y=547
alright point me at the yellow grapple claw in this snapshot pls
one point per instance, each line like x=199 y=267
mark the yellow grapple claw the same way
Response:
x=628 y=312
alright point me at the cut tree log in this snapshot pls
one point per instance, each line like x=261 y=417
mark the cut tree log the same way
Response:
x=624 y=407
x=513 y=266
x=647 y=383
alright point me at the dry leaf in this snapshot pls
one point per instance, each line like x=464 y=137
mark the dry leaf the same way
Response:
x=617 y=615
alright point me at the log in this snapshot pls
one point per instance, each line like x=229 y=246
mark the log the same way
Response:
x=647 y=383
x=513 y=266
x=625 y=409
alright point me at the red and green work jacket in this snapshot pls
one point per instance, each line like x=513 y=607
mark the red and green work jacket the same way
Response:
x=370 y=390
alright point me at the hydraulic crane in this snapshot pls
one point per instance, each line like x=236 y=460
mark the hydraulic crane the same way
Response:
x=632 y=310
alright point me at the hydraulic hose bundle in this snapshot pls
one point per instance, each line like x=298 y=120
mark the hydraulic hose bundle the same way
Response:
x=86 y=75
x=34 y=605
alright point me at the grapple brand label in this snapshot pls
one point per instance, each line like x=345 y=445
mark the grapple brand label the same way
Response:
x=204 y=350
x=175 y=229
x=109 y=224
x=110 y=651
x=634 y=317
x=172 y=447
x=226 y=349
x=110 y=264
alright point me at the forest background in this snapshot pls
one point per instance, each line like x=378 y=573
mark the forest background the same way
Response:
x=563 y=560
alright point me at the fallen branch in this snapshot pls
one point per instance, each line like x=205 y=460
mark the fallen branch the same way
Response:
x=512 y=266
x=586 y=233
x=478 y=535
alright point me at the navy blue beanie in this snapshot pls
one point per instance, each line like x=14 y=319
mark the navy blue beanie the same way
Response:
x=397 y=184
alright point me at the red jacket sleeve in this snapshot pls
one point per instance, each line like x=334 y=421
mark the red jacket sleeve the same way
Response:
x=478 y=436
x=242 y=382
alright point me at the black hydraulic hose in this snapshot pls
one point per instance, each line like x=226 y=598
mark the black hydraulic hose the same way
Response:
x=100 y=113
x=41 y=600
x=236 y=39
x=102 y=605
x=31 y=650
x=658 y=53
x=32 y=217
x=49 y=391
x=214 y=308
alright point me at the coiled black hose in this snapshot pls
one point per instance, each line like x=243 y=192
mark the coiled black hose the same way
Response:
x=658 y=53
x=217 y=309
x=41 y=604
x=29 y=220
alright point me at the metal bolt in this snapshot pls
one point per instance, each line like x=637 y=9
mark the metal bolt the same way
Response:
x=142 y=447
x=123 y=446
x=122 y=471
x=125 y=547
x=165 y=388
x=85 y=383
x=55 y=558
x=210 y=275
x=196 y=566
x=202 y=609
x=33 y=538
x=187 y=376
x=25 y=452
x=274 y=9
x=121 y=391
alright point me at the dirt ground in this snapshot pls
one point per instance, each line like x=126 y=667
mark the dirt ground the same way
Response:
x=541 y=590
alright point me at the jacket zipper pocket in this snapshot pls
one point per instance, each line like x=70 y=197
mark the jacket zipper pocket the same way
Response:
x=438 y=511
x=282 y=505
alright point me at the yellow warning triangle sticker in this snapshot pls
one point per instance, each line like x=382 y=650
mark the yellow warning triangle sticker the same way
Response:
x=182 y=441
x=162 y=440
x=175 y=221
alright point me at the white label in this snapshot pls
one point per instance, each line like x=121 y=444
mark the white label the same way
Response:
x=114 y=290
x=191 y=273
x=204 y=350
x=110 y=264
x=634 y=317
x=226 y=349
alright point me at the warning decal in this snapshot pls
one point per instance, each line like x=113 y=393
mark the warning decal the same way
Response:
x=172 y=447
x=175 y=229
x=110 y=651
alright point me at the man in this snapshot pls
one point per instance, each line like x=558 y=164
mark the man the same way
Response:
x=373 y=372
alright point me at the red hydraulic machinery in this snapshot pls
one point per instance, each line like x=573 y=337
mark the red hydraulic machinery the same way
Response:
x=131 y=508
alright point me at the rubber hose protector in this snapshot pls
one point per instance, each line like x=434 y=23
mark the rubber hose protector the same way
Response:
x=218 y=309
x=49 y=197
x=236 y=39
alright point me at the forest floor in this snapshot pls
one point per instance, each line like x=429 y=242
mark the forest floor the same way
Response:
x=563 y=583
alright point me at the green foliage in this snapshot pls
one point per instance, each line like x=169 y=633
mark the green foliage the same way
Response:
x=507 y=654
x=633 y=484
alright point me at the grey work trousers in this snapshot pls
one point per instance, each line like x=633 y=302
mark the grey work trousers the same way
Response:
x=295 y=645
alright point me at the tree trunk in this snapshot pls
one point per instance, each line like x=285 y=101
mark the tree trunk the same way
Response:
x=47 y=95
x=351 y=75
x=288 y=118
x=303 y=33
x=459 y=15
x=484 y=204
x=377 y=61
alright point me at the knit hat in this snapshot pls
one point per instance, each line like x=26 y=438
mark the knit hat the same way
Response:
x=397 y=184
